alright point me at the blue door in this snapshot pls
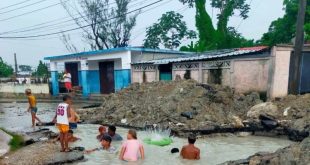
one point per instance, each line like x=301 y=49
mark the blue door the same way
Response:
x=305 y=73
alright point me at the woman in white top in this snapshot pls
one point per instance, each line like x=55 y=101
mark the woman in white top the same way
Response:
x=67 y=80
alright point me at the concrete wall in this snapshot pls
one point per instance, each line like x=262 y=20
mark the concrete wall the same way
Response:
x=35 y=88
x=280 y=71
x=250 y=75
x=181 y=73
x=151 y=72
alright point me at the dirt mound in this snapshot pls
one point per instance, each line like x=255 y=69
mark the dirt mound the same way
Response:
x=177 y=103
x=296 y=111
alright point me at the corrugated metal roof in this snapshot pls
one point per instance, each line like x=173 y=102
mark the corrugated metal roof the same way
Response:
x=90 y=53
x=207 y=55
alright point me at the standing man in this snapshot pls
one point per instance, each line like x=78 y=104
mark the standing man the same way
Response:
x=62 y=121
x=67 y=80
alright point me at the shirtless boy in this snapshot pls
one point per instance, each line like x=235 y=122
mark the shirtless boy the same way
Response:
x=190 y=151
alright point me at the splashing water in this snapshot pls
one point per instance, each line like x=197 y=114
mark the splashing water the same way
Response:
x=158 y=136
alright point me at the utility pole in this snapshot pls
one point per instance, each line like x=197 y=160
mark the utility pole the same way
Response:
x=16 y=69
x=295 y=62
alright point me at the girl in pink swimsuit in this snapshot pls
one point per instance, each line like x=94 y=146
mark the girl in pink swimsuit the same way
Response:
x=131 y=148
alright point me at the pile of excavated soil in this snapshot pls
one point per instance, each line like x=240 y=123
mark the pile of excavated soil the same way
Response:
x=295 y=110
x=164 y=102
x=296 y=106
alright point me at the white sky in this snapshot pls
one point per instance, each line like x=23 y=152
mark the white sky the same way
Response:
x=29 y=52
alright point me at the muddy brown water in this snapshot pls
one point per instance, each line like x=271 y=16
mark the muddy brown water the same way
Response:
x=13 y=116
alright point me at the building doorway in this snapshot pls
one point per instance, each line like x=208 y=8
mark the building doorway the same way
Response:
x=165 y=72
x=106 y=71
x=72 y=68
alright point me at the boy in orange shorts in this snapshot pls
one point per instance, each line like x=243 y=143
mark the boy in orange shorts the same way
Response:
x=62 y=121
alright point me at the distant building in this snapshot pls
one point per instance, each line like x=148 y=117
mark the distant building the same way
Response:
x=103 y=71
x=260 y=69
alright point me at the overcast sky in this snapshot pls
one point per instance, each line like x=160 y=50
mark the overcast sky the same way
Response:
x=29 y=52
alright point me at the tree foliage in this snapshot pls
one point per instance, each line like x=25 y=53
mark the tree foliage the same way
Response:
x=42 y=70
x=169 y=31
x=110 y=26
x=283 y=29
x=221 y=36
x=5 y=69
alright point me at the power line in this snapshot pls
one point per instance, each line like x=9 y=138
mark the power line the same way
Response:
x=73 y=29
x=26 y=29
x=31 y=11
x=14 y=4
x=80 y=33
x=23 y=7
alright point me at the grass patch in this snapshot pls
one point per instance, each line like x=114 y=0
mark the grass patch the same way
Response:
x=16 y=142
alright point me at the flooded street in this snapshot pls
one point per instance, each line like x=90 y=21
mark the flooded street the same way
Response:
x=213 y=150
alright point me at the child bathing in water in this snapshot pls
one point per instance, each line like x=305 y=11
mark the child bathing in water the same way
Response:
x=131 y=148
x=102 y=131
x=190 y=151
x=105 y=145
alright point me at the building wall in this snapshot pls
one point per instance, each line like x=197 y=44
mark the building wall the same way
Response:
x=245 y=75
x=181 y=69
x=88 y=67
x=35 y=88
x=250 y=75
x=151 y=73
x=280 y=73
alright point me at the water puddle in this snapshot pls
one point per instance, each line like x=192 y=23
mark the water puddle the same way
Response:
x=213 y=150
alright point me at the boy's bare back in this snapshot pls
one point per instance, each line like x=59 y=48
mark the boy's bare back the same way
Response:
x=190 y=152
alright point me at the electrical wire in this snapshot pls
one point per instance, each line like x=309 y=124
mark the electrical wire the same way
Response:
x=26 y=13
x=26 y=29
x=14 y=4
x=23 y=7
x=73 y=29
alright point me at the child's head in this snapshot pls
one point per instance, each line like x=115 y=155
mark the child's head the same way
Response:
x=70 y=133
x=28 y=92
x=111 y=130
x=132 y=134
x=102 y=129
x=106 y=141
x=191 y=139
x=67 y=99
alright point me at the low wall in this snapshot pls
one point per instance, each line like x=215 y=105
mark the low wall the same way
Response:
x=20 y=88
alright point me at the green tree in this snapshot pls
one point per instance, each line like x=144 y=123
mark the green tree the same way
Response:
x=42 y=70
x=169 y=31
x=283 y=29
x=5 y=69
x=222 y=36
x=110 y=26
